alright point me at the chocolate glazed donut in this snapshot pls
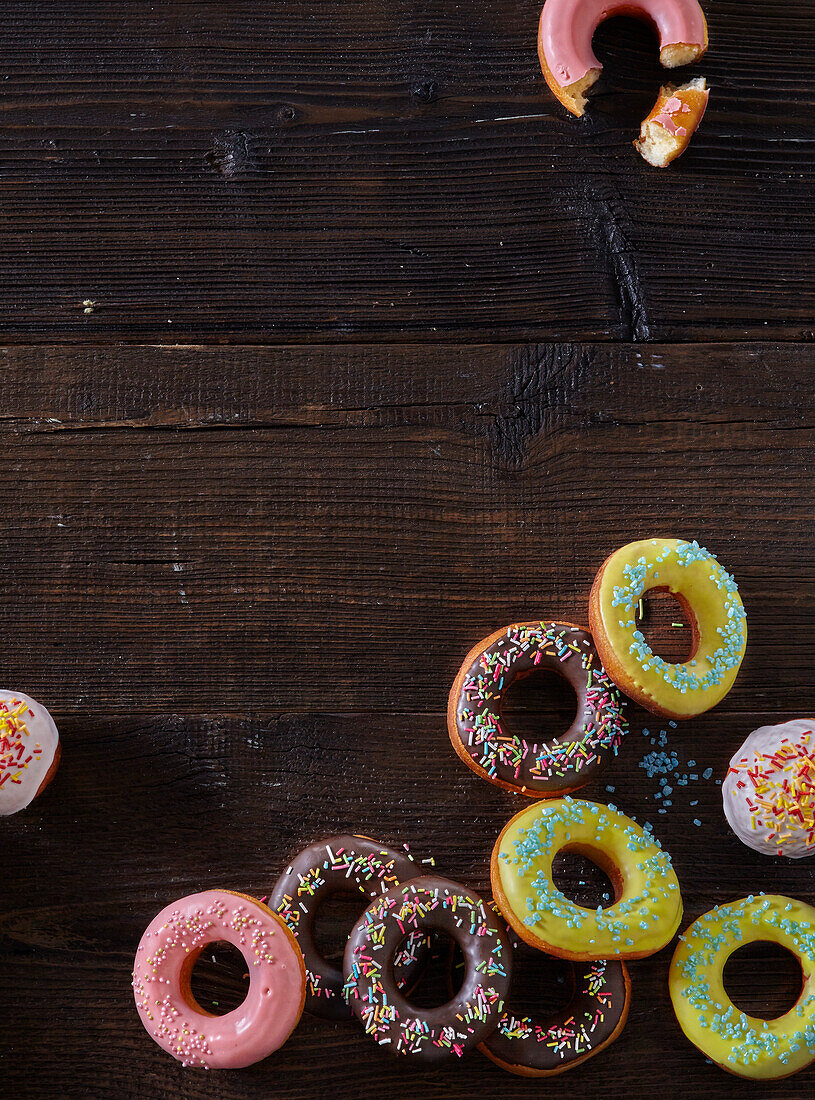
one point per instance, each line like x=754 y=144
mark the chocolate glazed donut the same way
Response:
x=329 y=867
x=541 y=1046
x=428 y=904
x=546 y=767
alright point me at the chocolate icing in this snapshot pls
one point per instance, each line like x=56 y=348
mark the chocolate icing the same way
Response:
x=538 y=1045
x=549 y=1044
x=547 y=766
x=329 y=867
x=429 y=904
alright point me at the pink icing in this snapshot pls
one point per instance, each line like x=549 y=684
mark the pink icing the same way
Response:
x=665 y=118
x=276 y=981
x=668 y=112
x=567 y=28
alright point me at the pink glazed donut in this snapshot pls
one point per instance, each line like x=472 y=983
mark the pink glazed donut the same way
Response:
x=567 y=28
x=161 y=981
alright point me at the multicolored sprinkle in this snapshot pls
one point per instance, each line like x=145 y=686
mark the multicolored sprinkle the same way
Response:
x=18 y=751
x=420 y=906
x=342 y=863
x=560 y=763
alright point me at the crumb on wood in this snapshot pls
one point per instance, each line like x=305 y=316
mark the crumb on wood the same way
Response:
x=88 y=305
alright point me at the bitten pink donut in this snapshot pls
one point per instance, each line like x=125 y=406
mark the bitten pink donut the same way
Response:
x=666 y=132
x=161 y=981
x=567 y=27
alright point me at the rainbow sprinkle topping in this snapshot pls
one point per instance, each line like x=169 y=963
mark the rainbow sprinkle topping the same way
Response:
x=370 y=872
x=510 y=758
x=17 y=753
x=571 y=1037
x=779 y=790
x=417 y=907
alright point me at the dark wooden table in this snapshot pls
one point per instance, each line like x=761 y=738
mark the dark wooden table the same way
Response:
x=331 y=344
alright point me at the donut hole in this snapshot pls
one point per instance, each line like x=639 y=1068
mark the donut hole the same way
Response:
x=668 y=624
x=541 y=984
x=582 y=880
x=219 y=980
x=628 y=50
x=539 y=706
x=333 y=919
x=443 y=975
x=763 y=979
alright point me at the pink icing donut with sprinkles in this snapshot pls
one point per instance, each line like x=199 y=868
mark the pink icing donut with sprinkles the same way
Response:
x=164 y=963
x=567 y=28
x=29 y=751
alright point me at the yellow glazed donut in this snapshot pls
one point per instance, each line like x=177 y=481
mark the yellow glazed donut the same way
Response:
x=742 y=1044
x=711 y=602
x=648 y=905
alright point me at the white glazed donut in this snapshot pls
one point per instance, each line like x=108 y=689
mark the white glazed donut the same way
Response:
x=29 y=750
x=769 y=790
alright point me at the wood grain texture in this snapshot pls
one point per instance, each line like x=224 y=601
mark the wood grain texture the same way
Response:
x=245 y=172
x=243 y=580
x=334 y=529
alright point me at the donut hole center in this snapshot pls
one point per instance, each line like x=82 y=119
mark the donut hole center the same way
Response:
x=763 y=979
x=668 y=624
x=582 y=880
x=333 y=919
x=539 y=706
x=219 y=980
x=628 y=49
x=541 y=984
x=443 y=975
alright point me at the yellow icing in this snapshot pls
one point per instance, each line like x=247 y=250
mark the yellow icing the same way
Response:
x=744 y=1044
x=692 y=573
x=648 y=908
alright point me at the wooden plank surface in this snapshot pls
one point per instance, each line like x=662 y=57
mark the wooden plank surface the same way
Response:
x=246 y=172
x=347 y=523
x=243 y=579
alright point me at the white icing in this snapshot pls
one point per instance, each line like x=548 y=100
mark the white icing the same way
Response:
x=28 y=744
x=755 y=828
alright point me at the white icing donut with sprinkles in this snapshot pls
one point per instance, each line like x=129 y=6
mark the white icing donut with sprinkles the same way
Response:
x=554 y=765
x=29 y=750
x=769 y=790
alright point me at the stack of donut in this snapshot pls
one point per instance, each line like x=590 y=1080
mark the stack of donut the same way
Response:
x=612 y=657
x=387 y=949
x=384 y=959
